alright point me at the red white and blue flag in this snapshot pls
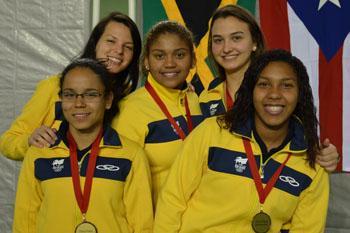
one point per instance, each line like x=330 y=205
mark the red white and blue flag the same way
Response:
x=317 y=31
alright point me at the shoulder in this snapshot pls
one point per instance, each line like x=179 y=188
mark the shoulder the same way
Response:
x=130 y=147
x=208 y=125
x=215 y=83
x=52 y=80
x=214 y=90
x=50 y=85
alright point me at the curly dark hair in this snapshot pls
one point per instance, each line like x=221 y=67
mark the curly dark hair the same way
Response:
x=164 y=27
x=305 y=109
x=254 y=29
x=102 y=73
x=125 y=81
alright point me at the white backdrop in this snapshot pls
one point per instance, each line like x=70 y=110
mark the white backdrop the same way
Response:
x=37 y=38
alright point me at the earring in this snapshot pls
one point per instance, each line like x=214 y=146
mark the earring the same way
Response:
x=146 y=67
x=254 y=48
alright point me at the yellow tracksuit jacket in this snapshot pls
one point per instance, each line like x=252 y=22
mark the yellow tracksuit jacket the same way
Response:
x=210 y=188
x=120 y=200
x=142 y=121
x=43 y=108
x=212 y=100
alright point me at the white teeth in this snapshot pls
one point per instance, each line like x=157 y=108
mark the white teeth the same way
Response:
x=80 y=115
x=115 y=60
x=170 y=74
x=274 y=110
x=229 y=57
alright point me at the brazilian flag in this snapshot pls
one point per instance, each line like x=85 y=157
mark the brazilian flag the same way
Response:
x=195 y=15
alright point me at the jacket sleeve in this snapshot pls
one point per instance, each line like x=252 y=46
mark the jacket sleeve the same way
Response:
x=37 y=111
x=137 y=195
x=313 y=200
x=28 y=198
x=182 y=181
x=130 y=122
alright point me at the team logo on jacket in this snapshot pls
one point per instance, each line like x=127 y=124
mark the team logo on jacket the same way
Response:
x=107 y=167
x=240 y=164
x=213 y=109
x=290 y=180
x=57 y=165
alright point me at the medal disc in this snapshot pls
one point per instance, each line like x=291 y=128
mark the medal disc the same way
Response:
x=261 y=222
x=86 y=227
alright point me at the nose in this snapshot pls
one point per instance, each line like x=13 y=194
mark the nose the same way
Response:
x=170 y=62
x=227 y=46
x=274 y=92
x=79 y=101
x=118 y=48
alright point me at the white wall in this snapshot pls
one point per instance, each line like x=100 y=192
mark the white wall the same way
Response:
x=37 y=38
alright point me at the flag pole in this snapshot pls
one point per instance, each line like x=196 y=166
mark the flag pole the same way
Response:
x=132 y=9
x=95 y=12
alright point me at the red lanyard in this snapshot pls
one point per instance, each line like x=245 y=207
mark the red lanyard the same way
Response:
x=164 y=109
x=263 y=192
x=229 y=100
x=83 y=199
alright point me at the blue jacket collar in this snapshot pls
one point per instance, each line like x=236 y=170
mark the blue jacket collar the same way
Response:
x=297 y=143
x=110 y=136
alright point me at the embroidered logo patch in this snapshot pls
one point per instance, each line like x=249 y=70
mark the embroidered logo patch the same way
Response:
x=213 y=109
x=240 y=164
x=290 y=180
x=108 y=167
x=57 y=165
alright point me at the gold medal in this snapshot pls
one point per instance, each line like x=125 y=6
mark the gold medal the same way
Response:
x=86 y=227
x=261 y=222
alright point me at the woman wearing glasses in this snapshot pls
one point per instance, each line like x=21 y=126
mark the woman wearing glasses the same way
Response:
x=116 y=41
x=87 y=155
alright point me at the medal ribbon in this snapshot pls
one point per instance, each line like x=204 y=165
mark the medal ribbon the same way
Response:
x=263 y=192
x=229 y=100
x=83 y=199
x=164 y=109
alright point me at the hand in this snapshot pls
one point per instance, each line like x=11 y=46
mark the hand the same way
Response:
x=328 y=157
x=191 y=87
x=42 y=137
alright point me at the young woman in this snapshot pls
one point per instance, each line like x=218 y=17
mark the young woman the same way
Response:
x=160 y=115
x=88 y=155
x=116 y=41
x=269 y=137
x=235 y=39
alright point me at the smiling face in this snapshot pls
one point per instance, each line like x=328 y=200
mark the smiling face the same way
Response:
x=232 y=44
x=84 y=113
x=275 y=96
x=169 y=60
x=117 y=46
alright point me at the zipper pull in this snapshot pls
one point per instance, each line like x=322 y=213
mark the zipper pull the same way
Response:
x=262 y=172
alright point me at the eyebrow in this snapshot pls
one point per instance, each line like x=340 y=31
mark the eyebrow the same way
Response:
x=176 y=50
x=85 y=90
x=231 y=34
x=283 y=79
x=128 y=42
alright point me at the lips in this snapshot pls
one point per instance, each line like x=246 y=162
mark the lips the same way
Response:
x=113 y=61
x=80 y=116
x=172 y=74
x=274 y=109
x=229 y=57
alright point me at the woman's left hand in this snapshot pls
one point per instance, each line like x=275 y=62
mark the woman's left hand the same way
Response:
x=328 y=157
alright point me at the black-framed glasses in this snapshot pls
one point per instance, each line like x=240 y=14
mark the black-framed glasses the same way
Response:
x=88 y=96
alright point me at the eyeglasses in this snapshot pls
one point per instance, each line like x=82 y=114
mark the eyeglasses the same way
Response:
x=89 y=96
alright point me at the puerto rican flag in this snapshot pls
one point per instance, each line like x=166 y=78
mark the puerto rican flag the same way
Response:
x=317 y=32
